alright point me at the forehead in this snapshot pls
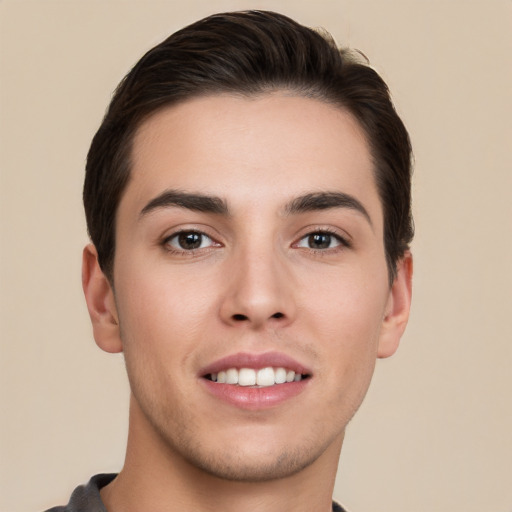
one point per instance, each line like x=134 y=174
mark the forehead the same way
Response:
x=251 y=149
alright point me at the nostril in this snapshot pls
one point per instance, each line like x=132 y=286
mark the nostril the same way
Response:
x=238 y=317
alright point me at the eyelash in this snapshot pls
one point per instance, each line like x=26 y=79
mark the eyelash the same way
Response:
x=189 y=252
x=342 y=242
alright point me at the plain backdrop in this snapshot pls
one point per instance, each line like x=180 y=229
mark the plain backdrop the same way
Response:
x=435 y=432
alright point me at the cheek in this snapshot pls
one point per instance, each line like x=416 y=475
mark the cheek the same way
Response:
x=160 y=324
x=346 y=313
x=164 y=313
x=348 y=307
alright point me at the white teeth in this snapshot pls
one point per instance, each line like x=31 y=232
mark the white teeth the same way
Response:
x=246 y=377
x=250 y=377
x=231 y=376
x=265 y=377
x=280 y=375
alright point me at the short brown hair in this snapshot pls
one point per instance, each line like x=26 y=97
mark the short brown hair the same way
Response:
x=249 y=53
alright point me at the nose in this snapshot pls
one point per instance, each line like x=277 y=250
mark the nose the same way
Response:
x=259 y=291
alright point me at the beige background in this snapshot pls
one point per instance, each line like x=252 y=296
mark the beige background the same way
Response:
x=435 y=433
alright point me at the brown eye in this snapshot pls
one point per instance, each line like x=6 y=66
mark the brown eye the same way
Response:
x=321 y=240
x=189 y=241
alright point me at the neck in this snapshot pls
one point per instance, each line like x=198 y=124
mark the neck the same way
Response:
x=157 y=478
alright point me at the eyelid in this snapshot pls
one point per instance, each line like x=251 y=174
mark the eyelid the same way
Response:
x=344 y=239
x=174 y=234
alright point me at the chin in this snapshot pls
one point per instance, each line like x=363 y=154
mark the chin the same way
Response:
x=253 y=468
x=253 y=461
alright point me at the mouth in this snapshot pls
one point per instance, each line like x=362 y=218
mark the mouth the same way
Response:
x=256 y=381
x=256 y=378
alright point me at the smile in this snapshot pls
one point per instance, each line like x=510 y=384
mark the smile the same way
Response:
x=263 y=377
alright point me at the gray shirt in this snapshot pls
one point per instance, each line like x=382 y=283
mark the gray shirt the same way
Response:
x=86 y=498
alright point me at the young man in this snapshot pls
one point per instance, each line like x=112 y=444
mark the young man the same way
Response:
x=248 y=200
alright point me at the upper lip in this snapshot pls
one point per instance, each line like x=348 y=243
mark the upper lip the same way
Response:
x=255 y=361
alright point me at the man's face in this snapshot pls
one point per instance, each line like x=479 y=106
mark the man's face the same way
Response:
x=250 y=236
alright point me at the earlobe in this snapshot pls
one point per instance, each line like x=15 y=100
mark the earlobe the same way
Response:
x=398 y=308
x=100 y=302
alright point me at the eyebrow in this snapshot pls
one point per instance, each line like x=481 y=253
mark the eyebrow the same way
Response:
x=324 y=201
x=212 y=204
x=190 y=201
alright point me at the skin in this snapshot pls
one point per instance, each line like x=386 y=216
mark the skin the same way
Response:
x=257 y=283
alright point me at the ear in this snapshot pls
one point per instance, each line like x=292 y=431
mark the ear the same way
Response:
x=397 y=308
x=100 y=302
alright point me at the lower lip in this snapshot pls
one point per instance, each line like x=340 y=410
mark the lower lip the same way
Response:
x=253 y=398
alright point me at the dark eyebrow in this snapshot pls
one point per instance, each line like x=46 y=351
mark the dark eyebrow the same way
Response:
x=190 y=201
x=325 y=200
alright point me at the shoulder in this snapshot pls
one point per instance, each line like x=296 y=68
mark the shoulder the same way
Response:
x=86 y=498
x=337 y=508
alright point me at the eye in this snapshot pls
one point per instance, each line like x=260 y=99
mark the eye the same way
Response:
x=321 y=240
x=189 y=241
